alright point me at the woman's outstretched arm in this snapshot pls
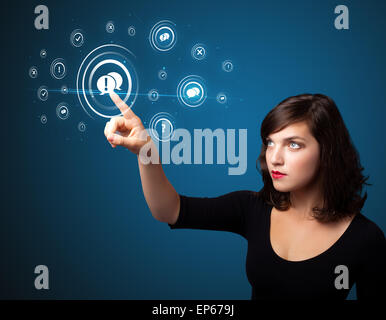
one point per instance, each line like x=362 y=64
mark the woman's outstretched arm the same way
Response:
x=160 y=195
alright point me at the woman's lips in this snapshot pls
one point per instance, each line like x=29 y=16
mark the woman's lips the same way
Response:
x=277 y=174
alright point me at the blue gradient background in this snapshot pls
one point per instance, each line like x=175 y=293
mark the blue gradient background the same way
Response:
x=71 y=202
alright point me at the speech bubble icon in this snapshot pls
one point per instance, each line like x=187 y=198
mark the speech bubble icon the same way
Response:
x=106 y=84
x=165 y=36
x=193 y=92
x=118 y=79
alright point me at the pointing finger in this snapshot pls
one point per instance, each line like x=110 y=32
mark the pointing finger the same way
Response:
x=125 y=110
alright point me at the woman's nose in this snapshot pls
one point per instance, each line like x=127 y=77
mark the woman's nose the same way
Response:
x=276 y=157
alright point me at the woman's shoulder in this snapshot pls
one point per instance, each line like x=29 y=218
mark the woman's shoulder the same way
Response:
x=255 y=198
x=250 y=193
x=368 y=231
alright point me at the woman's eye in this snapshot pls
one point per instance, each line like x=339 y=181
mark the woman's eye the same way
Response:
x=292 y=143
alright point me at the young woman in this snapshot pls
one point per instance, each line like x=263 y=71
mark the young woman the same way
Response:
x=307 y=238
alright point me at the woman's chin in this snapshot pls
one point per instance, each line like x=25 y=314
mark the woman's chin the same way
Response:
x=280 y=187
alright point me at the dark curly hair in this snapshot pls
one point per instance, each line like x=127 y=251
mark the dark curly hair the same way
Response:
x=340 y=169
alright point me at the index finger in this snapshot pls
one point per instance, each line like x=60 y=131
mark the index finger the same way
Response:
x=125 y=110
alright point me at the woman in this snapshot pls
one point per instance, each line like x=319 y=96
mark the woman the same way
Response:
x=307 y=238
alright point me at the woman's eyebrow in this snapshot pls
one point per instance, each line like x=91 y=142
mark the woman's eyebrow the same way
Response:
x=291 y=138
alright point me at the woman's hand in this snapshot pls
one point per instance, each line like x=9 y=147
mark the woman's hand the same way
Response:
x=161 y=197
x=132 y=134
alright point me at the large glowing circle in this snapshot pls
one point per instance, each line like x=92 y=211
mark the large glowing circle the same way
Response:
x=106 y=68
x=191 y=91
x=163 y=35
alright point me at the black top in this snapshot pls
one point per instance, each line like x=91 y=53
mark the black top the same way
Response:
x=361 y=249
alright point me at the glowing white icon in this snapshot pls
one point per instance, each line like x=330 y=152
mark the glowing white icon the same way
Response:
x=193 y=92
x=118 y=79
x=110 y=82
x=43 y=119
x=62 y=111
x=165 y=36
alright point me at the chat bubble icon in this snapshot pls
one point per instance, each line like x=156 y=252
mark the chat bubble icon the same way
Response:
x=193 y=92
x=165 y=36
x=106 y=84
x=118 y=79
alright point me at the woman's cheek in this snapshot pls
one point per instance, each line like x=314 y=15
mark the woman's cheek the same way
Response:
x=304 y=165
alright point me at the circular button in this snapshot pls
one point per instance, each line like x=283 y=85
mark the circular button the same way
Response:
x=162 y=74
x=62 y=111
x=153 y=95
x=227 y=66
x=77 y=38
x=58 y=68
x=221 y=98
x=42 y=93
x=33 y=72
x=43 y=53
x=110 y=27
x=191 y=91
x=43 y=119
x=162 y=126
x=131 y=31
x=163 y=36
x=104 y=70
x=81 y=126
x=64 y=89
x=199 y=51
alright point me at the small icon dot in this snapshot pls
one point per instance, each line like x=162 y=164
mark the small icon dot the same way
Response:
x=43 y=119
x=110 y=27
x=131 y=31
x=33 y=72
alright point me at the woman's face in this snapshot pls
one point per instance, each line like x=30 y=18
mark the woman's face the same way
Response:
x=297 y=158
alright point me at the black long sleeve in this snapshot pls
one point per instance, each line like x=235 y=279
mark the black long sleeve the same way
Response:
x=224 y=213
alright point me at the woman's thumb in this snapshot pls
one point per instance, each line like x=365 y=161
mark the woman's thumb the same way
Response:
x=115 y=139
x=120 y=140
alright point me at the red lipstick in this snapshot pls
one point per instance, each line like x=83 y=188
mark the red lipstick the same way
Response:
x=277 y=174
